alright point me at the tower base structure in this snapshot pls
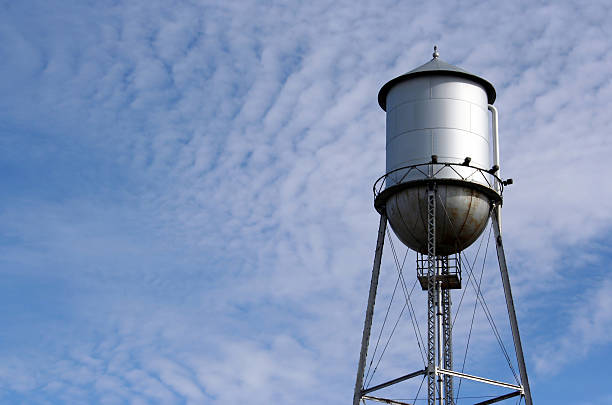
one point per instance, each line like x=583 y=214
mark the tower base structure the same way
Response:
x=439 y=275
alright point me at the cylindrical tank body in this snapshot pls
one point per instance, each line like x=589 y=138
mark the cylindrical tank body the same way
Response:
x=438 y=110
x=436 y=115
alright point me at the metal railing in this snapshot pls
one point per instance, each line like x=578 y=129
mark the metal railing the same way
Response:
x=437 y=171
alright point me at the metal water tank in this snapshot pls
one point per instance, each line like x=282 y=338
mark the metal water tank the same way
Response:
x=438 y=133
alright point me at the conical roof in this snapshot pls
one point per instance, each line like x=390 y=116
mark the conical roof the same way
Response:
x=436 y=66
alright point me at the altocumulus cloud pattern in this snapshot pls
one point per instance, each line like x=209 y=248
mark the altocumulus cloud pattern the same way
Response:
x=186 y=205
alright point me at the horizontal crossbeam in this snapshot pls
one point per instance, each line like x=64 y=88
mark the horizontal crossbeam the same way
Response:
x=386 y=401
x=479 y=379
x=500 y=398
x=395 y=381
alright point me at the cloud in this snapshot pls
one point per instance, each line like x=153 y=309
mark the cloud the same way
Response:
x=196 y=178
x=589 y=327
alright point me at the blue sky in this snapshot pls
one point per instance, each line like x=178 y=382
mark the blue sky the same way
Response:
x=186 y=214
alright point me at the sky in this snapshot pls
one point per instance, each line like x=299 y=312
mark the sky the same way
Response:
x=186 y=212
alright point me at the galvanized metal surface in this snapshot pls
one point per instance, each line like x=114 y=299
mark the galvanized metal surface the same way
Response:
x=479 y=379
x=516 y=337
x=407 y=176
x=385 y=400
x=495 y=128
x=451 y=274
x=434 y=67
x=447 y=328
x=437 y=113
x=431 y=293
x=394 y=381
x=367 y=327
x=437 y=195
x=460 y=217
x=500 y=398
x=444 y=116
x=495 y=134
x=440 y=336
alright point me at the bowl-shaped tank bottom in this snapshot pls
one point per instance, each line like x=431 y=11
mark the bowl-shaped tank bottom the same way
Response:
x=462 y=213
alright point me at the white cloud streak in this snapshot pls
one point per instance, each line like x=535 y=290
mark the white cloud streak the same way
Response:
x=199 y=180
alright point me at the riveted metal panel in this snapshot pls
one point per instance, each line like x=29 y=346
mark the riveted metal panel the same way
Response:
x=459 y=89
x=432 y=113
x=431 y=69
x=440 y=115
x=409 y=148
x=418 y=88
x=453 y=146
x=479 y=121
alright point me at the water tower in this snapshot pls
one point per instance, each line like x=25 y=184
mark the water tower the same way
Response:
x=442 y=184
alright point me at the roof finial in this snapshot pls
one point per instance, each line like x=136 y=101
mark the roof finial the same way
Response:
x=436 y=54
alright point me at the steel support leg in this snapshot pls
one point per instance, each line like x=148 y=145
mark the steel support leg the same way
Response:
x=448 y=338
x=503 y=268
x=440 y=337
x=431 y=294
x=367 y=327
